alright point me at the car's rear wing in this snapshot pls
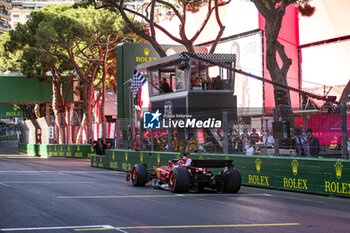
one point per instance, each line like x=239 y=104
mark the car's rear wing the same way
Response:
x=211 y=163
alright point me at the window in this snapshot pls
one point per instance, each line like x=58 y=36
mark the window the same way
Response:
x=180 y=83
x=154 y=82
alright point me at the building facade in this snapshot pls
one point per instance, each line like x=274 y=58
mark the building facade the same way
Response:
x=20 y=12
x=5 y=6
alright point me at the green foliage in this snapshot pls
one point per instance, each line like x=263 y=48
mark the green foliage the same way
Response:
x=9 y=61
x=56 y=29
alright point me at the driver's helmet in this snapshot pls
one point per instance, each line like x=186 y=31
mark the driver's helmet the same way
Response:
x=187 y=159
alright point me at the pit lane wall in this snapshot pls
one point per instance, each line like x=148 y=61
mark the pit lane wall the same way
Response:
x=83 y=151
x=310 y=175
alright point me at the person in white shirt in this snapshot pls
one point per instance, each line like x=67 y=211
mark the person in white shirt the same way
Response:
x=252 y=147
x=270 y=140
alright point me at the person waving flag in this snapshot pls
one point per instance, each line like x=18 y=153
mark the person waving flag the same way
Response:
x=138 y=80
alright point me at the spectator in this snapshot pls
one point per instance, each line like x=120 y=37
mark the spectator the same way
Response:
x=252 y=147
x=164 y=86
x=254 y=135
x=218 y=83
x=301 y=142
x=104 y=145
x=137 y=142
x=89 y=141
x=314 y=143
x=268 y=140
x=237 y=144
x=147 y=142
x=97 y=147
x=245 y=139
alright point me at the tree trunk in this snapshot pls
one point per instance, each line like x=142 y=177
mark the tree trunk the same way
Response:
x=278 y=75
x=88 y=110
x=56 y=113
x=78 y=140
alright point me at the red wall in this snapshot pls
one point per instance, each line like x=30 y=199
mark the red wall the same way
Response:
x=289 y=37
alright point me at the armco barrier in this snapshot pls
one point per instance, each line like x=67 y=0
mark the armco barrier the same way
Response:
x=57 y=150
x=8 y=137
x=310 y=175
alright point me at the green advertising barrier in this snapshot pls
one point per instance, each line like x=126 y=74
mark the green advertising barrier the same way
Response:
x=7 y=137
x=98 y=161
x=310 y=175
x=71 y=151
x=67 y=151
x=27 y=148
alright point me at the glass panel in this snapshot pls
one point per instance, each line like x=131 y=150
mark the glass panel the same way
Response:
x=154 y=83
x=165 y=83
x=180 y=83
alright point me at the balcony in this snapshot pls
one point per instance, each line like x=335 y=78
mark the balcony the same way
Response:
x=6 y=3
x=5 y=14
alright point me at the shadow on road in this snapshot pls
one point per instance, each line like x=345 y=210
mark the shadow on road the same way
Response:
x=9 y=147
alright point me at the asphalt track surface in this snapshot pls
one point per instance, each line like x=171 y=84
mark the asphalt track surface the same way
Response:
x=67 y=195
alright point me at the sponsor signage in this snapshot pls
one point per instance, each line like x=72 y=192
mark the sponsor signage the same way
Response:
x=10 y=111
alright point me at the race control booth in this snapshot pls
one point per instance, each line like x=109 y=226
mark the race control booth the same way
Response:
x=201 y=85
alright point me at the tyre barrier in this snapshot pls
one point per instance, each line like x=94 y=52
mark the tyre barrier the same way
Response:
x=300 y=174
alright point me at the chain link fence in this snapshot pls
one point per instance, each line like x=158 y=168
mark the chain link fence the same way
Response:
x=314 y=135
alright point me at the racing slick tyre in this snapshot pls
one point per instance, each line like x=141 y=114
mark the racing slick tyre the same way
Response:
x=179 y=180
x=139 y=176
x=232 y=183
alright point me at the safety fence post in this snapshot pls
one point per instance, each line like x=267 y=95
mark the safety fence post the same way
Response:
x=344 y=135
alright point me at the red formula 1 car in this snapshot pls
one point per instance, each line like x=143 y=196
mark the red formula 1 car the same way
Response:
x=184 y=174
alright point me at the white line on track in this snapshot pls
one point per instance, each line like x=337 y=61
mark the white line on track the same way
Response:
x=52 y=228
x=47 y=182
x=76 y=172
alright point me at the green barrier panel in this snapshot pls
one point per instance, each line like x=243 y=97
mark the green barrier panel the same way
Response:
x=67 y=151
x=71 y=151
x=42 y=150
x=312 y=175
x=7 y=137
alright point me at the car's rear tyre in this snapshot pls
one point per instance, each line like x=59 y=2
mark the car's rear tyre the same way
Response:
x=139 y=176
x=179 y=180
x=232 y=182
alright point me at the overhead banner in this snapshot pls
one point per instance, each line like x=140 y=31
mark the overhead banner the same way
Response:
x=10 y=111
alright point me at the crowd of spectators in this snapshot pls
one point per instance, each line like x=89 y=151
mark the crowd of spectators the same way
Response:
x=249 y=143
x=160 y=143
x=245 y=143
x=7 y=129
x=305 y=142
x=208 y=83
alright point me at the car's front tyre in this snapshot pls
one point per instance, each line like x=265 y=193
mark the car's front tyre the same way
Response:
x=139 y=176
x=179 y=180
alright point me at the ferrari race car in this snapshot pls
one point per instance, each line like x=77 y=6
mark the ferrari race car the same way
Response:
x=184 y=174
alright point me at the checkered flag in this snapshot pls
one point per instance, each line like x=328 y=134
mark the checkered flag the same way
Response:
x=138 y=80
